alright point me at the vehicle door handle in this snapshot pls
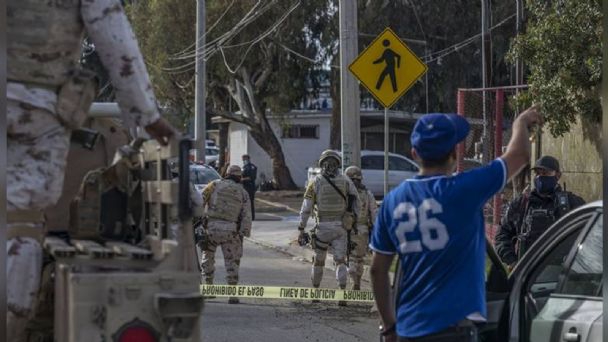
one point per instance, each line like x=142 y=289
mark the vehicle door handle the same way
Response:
x=572 y=336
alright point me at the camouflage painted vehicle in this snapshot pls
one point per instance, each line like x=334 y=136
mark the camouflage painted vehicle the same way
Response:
x=125 y=269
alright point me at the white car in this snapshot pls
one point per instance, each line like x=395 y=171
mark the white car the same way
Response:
x=212 y=154
x=400 y=168
x=201 y=175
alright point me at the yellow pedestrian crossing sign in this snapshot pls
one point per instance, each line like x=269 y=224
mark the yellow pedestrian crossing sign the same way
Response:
x=387 y=68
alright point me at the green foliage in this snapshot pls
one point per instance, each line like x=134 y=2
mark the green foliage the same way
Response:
x=164 y=28
x=290 y=76
x=442 y=24
x=562 y=49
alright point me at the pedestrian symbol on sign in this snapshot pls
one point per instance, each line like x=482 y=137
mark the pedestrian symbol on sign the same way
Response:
x=389 y=56
x=381 y=62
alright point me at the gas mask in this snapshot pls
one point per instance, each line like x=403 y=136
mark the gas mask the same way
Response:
x=330 y=166
x=545 y=185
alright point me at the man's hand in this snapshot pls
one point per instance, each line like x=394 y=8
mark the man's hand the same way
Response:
x=531 y=117
x=161 y=130
x=518 y=152
x=303 y=238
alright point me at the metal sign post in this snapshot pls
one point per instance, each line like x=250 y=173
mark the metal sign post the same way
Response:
x=386 y=135
x=388 y=69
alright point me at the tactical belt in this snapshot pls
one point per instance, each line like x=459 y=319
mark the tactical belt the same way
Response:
x=20 y=224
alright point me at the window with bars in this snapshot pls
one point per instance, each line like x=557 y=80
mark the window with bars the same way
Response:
x=301 y=132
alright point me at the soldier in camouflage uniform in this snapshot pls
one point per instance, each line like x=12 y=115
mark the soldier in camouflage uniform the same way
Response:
x=365 y=222
x=333 y=198
x=228 y=216
x=48 y=96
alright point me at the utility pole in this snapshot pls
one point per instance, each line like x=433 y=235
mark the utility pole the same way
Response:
x=349 y=87
x=485 y=71
x=199 y=92
x=519 y=65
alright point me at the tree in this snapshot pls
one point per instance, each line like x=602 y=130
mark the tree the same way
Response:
x=262 y=78
x=449 y=70
x=562 y=49
x=161 y=35
x=247 y=61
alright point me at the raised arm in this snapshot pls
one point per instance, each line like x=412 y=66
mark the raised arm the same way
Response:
x=109 y=29
x=518 y=151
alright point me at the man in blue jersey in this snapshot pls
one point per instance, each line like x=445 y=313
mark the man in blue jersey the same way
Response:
x=434 y=223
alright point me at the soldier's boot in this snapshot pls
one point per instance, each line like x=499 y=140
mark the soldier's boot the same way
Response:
x=342 y=302
x=209 y=281
x=357 y=286
x=317 y=275
x=341 y=277
x=316 y=300
x=233 y=281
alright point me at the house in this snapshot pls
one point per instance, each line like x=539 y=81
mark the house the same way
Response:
x=304 y=134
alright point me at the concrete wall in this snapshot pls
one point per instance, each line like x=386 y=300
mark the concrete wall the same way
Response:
x=580 y=161
x=299 y=153
x=303 y=153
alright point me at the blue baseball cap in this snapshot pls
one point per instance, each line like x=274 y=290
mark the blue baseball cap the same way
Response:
x=436 y=134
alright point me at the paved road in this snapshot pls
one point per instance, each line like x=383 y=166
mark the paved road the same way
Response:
x=281 y=320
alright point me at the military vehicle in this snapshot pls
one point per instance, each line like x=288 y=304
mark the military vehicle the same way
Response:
x=125 y=269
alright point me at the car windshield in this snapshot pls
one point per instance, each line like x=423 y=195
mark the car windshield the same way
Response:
x=211 y=152
x=203 y=176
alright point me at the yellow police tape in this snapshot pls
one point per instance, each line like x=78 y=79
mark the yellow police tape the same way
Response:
x=281 y=292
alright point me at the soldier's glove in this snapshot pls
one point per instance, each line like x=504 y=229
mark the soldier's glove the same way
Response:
x=348 y=221
x=303 y=238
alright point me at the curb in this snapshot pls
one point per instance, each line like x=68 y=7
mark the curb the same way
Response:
x=276 y=205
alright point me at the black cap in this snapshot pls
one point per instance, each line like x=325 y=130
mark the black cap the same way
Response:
x=548 y=163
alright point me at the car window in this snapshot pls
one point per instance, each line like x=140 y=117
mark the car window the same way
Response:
x=203 y=176
x=549 y=271
x=585 y=275
x=372 y=163
x=399 y=164
x=211 y=152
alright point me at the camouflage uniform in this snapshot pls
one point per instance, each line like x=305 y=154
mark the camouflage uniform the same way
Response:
x=329 y=207
x=47 y=96
x=229 y=219
x=365 y=221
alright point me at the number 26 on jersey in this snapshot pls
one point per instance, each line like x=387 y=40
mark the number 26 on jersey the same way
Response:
x=433 y=233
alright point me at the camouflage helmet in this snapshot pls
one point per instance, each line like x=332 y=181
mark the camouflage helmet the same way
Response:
x=330 y=154
x=234 y=170
x=353 y=172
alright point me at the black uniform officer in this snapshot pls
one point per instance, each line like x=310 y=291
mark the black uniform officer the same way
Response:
x=530 y=214
x=250 y=172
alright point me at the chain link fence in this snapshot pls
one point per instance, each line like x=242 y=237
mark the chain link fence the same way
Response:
x=490 y=112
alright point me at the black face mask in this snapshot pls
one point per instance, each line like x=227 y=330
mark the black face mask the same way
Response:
x=545 y=184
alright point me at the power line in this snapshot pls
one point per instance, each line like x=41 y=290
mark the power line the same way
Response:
x=211 y=47
x=257 y=40
x=185 y=50
x=449 y=50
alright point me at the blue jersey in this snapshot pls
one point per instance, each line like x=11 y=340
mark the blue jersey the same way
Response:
x=436 y=226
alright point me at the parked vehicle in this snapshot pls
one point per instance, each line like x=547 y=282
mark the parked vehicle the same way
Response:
x=555 y=291
x=372 y=165
x=201 y=175
x=212 y=154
